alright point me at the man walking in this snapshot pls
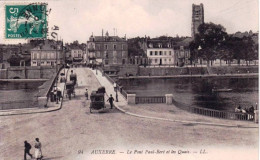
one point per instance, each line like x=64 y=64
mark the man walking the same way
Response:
x=59 y=96
x=111 y=99
x=86 y=94
x=27 y=148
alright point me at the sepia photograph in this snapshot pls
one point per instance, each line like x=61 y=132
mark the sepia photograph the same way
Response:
x=129 y=79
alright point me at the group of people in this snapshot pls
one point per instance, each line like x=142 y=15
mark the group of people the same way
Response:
x=249 y=110
x=56 y=94
x=38 y=149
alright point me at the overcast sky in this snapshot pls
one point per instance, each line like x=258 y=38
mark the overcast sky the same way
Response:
x=77 y=19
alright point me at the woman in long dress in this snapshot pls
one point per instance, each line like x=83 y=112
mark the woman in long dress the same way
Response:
x=38 y=149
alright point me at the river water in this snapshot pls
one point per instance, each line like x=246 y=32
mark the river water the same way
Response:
x=19 y=91
x=198 y=91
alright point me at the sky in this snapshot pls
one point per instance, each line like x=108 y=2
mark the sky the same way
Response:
x=78 y=19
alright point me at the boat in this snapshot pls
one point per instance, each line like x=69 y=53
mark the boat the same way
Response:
x=221 y=90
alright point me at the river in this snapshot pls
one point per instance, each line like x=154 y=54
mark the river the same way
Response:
x=11 y=92
x=198 y=91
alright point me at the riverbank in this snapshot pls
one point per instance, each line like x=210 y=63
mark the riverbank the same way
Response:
x=253 y=75
x=23 y=80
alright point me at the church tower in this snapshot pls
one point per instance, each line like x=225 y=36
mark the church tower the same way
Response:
x=197 y=18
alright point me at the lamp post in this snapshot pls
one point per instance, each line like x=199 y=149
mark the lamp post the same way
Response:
x=115 y=88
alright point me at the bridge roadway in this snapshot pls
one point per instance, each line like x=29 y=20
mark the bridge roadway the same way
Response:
x=73 y=133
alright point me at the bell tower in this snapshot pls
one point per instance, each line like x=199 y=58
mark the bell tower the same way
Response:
x=197 y=18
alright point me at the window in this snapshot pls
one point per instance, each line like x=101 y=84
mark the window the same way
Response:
x=124 y=54
x=35 y=56
x=170 y=52
x=98 y=54
x=165 y=59
x=34 y=62
x=97 y=46
x=155 y=53
x=170 y=60
x=165 y=53
x=79 y=55
x=38 y=56
x=114 y=60
x=48 y=56
x=123 y=46
x=106 y=46
x=114 y=47
x=151 y=53
x=160 y=52
x=42 y=62
x=155 y=60
x=48 y=62
x=114 y=54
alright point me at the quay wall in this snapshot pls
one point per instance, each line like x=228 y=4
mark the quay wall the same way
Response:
x=36 y=72
x=128 y=69
x=171 y=71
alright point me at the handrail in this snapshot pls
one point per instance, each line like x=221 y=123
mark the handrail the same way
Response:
x=121 y=90
x=151 y=99
x=221 y=114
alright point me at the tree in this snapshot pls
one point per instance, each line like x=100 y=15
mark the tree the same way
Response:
x=15 y=59
x=210 y=39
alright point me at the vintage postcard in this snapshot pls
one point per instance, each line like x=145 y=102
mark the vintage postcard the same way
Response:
x=129 y=80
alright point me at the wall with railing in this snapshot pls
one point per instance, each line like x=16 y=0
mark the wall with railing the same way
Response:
x=153 y=99
x=119 y=88
x=215 y=113
x=222 y=114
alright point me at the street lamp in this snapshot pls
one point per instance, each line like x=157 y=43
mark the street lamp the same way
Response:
x=115 y=88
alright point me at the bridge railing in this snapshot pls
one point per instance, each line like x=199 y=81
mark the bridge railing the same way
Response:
x=222 y=114
x=152 y=99
x=120 y=88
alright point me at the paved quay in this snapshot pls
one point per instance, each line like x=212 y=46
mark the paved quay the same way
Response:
x=65 y=132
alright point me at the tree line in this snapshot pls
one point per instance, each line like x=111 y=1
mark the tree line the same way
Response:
x=212 y=42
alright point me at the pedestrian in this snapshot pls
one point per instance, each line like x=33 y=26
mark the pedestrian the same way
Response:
x=55 y=95
x=86 y=94
x=27 y=148
x=38 y=149
x=111 y=99
x=59 y=93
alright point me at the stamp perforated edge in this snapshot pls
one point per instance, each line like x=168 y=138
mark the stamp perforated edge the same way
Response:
x=3 y=5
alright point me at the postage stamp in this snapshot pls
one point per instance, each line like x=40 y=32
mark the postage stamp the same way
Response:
x=26 y=21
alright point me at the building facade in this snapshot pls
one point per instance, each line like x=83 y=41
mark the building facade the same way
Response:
x=181 y=55
x=197 y=18
x=107 y=50
x=47 y=54
x=167 y=52
x=160 y=56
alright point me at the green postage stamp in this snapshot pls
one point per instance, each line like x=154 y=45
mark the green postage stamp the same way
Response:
x=26 y=21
